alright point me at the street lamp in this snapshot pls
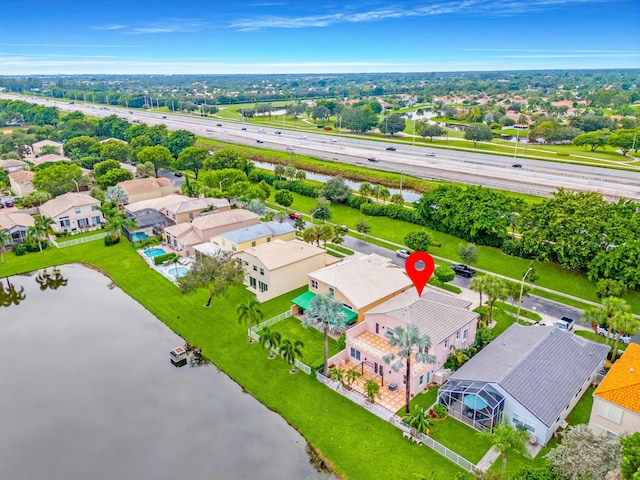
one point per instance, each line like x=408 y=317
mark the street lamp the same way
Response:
x=313 y=213
x=77 y=186
x=521 y=292
x=221 y=182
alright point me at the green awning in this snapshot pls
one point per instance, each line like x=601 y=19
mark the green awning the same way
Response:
x=304 y=301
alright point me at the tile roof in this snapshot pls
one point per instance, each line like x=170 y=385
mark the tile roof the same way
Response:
x=541 y=367
x=157 y=203
x=278 y=254
x=11 y=162
x=43 y=143
x=9 y=220
x=225 y=217
x=437 y=315
x=622 y=384
x=22 y=176
x=364 y=280
x=192 y=204
x=143 y=185
x=62 y=203
x=51 y=157
x=254 y=232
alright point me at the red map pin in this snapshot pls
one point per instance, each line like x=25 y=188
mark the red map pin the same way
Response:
x=422 y=276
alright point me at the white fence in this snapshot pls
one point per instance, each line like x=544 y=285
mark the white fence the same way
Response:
x=78 y=241
x=254 y=335
x=389 y=416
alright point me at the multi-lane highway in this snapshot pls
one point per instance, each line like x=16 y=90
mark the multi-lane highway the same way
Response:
x=534 y=176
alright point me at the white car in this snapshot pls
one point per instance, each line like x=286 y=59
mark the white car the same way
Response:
x=430 y=154
x=334 y=140
x=290 y=148
x=402 y=253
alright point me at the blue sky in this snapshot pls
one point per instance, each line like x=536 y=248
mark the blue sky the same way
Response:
x=316 y=36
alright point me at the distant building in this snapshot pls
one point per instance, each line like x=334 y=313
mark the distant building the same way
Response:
x=12 y=165
x=38 y=146
x=21 y=182
x=16 y=223
x=146 y=188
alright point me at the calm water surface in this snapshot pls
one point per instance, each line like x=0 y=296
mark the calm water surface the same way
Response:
x=87 y=391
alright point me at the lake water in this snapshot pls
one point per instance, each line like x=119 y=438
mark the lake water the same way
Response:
x=88 y=392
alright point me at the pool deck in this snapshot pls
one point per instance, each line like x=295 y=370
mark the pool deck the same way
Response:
x=163 y=270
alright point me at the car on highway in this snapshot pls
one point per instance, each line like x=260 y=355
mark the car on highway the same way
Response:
x=430 y=154
x=402 y=253
x=295 y=215
x=334 y=140
x=516 y=165
x=243 y=128
x=260 y=141
x=304 y=137
x=164 y=116
x=372 y=159
x=218 y=124
x=290 y=148
x=277 y=132
x=462 y=270
x=391 y=149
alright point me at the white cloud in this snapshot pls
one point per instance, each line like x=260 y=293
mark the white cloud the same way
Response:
x=169 y=25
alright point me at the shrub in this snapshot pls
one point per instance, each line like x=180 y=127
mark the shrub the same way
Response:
x=167 y=257
x=19 y=249
x=439 y=410
x=110 y=240
x=512 y=247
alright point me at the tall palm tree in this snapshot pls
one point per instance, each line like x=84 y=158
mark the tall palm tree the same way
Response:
x=290 y=351
x=612 y=308
x=325 y=314
x=506 y=439
x=251 y=313
x=409 y=343
x=270 y=339
x=5 y=236
x=40 y=230
x=115 y=220
x=496 y=289
x=625 y=323
x=365 y=190
x=478 y=284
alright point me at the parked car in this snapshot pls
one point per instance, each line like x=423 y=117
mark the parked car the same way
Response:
x=602 y=331
x=344 y=228
x=8 y=203
x=295 y=215
x=565 y=323
x=178 y=174
x=402 y=253
x=372 y=159
x=462 y=270
x=391 y=149
x=516 y=165
x=626 y=339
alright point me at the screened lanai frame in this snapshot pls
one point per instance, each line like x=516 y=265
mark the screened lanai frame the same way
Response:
x=477 y=404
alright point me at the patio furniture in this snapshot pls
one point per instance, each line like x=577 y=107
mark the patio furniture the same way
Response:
x=393 y=387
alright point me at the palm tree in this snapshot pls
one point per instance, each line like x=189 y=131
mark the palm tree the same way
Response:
x=409 y=342
x=311 y=234
x=291 y=351
x=591 y=316
x=5 y=236
x=301 y=175
x=250 y=312
x=40 y=230
x=115 y=220
x=326 y=315
x=419 y=419
x=269 y=339
x=384 y=194
x=478 y=284
x=608 y=313
x=117 y=195
x=351 y=376
x=625 y=323
x=372 y=390
x=279 y=170
x=365 y=190
x=506 y=439
x=496 y=289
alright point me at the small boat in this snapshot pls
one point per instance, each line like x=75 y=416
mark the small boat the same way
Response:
x=178 y=355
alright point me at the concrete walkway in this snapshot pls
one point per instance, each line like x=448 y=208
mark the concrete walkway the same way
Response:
x=488 y=459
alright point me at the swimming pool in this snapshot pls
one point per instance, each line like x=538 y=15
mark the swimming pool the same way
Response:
x=137 y=236
x=154 y=252
x=178 y=272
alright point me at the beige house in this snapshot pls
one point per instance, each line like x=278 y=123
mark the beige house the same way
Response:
x=38 y=146
x=186 y=210
x=183 y=237
x=253 y=235
x=51 y=157
x=359 y=283
x=21 y=182
x=72 y=211
x=616 y=401
x=12 y=165
x=278 y=267
x=16 y=224
x=146 y=188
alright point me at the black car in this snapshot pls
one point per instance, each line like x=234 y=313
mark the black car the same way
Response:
x=463 y=270
x=8 y=203
x=278 y=132
x=372 y=159
x=218 y=124
x=178 y=174
x=391 y=149
x=260 y=141
x=244 y=128
x=516 y=165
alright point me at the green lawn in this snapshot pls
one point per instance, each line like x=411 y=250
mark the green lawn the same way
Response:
x=352 y=439
x=461 y=438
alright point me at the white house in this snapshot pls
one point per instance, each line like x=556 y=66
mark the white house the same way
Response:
x=72 y=211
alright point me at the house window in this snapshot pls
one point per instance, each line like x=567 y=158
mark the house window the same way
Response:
x=314 y=284
x=262 y=271
x=190 y=215
x=524 y=423
x=458 y=335
x=332 y=292
x=377 y=328
x=465 y=334
x=244 y=262
x=78 y=211
x=64 y=222
x=83 y=222
x=94 y=208
x=263 y=287
x=446 y=343
x=253 y=244
x=252 y=282
x=95 y=220
x=355 y=353
x=268 y=239
x=421 y=379
x=610 y=412
x=234 y=247
x=255 y=269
